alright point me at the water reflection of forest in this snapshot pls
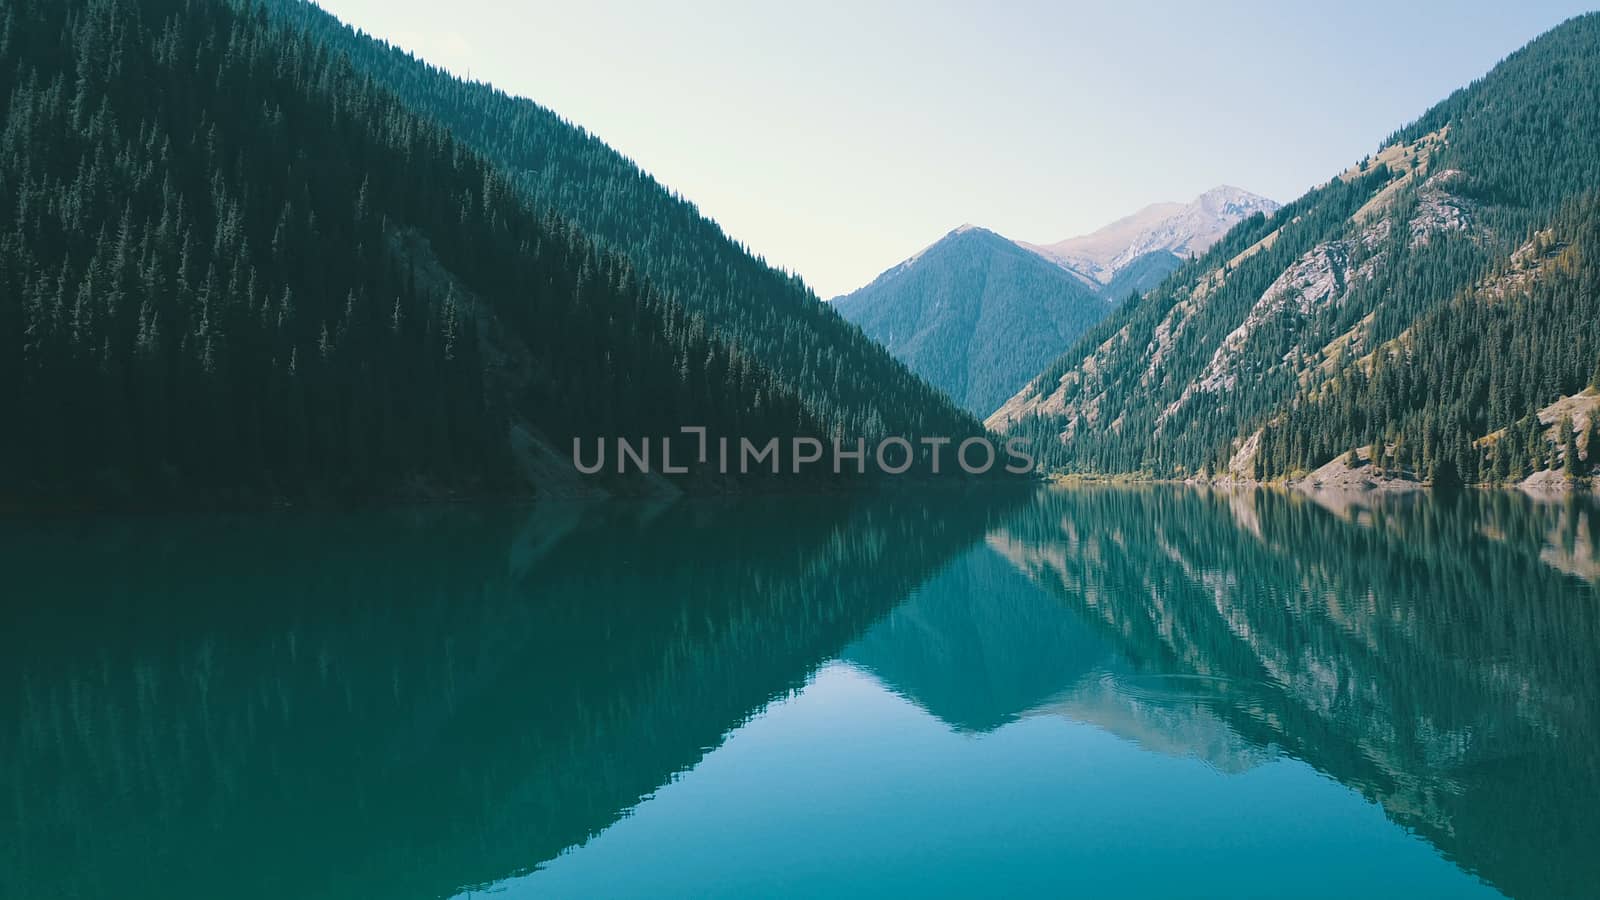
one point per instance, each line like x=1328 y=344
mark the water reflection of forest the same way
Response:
x=402 y=704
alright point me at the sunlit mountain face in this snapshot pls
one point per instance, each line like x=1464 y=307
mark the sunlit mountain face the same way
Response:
x=1175 y=230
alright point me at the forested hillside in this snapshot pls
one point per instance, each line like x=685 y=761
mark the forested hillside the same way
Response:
x=846 y=380
x=1428 y=303
x=975 y=314
x=232 y=266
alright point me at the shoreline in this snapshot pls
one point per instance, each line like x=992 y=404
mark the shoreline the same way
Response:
x=1541 y=484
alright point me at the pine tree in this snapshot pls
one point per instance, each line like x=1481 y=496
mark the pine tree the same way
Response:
x=1533 y=444
x=1591 y=443
x=1567 y=433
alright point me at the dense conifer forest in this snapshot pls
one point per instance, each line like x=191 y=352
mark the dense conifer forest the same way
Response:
x=850 y=382
x=235 y=267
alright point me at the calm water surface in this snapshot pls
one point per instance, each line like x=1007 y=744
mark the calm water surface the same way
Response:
x=1094 y=692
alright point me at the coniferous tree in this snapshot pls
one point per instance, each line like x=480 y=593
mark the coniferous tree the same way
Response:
x=1567 y=434
x=1591 y=443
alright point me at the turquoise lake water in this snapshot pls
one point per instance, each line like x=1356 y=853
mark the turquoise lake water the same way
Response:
x=1154 y=692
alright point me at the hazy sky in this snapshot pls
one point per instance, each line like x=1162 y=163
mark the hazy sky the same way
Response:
x=838 y=139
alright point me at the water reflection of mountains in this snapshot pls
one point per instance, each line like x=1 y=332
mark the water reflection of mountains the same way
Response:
x=401 y=706
x=1442 y=658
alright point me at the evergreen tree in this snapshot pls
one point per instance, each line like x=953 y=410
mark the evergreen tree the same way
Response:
x=1591 y=443
x=1567 y=434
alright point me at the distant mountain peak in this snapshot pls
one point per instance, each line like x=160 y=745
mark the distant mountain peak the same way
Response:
x=1176 y=228
x=1230 y=192
x=975 y=314
x=966 y=231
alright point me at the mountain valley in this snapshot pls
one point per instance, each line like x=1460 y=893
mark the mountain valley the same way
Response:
x=978 y=314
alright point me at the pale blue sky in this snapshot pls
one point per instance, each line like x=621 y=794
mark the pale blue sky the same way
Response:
x=837 y=139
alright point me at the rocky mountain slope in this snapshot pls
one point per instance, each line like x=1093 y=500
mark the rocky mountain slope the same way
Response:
x=1419 y=303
